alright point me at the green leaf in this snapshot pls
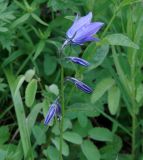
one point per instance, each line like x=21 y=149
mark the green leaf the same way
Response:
x=20 y=81
x=65 y=149
x=3 y=29
x=113 y=99
x=111 y=149
x=101 y=134
x=90 y=150
x=38 y=19
x=121 y=40
x=70 y=17
x=12 y=57
x=82 y=119
x=3 y=154
x=39 y=134
x=90 y=51
x=20 y=114
x=29 y=75
x=2 y=85
x=53 y=88
x=31 y=119
x=30 y=92
x=39 y=49
x=72 y=137
x=82 y=131
x=4 y=134
x=66 y=125
x=50 y=64
x=52 y=153
x=101 y=88
x=139 y=94
x=20 y=20
x=101 y=53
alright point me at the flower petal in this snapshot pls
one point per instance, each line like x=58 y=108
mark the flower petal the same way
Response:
x=78 y=24
x=78 y=61
x=87 y=31
x=50 y=115
x=87 y=39
x=82 y=86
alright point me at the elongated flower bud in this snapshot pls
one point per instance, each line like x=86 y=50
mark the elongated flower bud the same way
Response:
x=82 y=86
x=58 y=111
x=79 y=61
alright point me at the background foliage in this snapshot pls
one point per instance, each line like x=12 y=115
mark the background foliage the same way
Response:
x=106 y=125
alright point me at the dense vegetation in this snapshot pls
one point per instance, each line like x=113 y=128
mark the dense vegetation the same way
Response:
x=104 y=125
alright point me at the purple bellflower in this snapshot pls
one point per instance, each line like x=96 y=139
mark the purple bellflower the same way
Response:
x=79 y=61
x=82 y=30
x=54 y=110
x=82 y=86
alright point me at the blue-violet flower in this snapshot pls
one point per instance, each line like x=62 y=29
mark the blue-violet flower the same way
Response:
x=78 y=61
x=82 y=86
x=82 y=30
x=54 y=110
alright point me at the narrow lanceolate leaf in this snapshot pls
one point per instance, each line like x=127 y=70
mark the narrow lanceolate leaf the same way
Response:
x=30 y=92
x=121 y=40
x=113 y=99
x=20 y=115
x=39 y=49
x=90 y=150
x=38 y=19
x=101 y=134
x=101 y=88
x=20 y=20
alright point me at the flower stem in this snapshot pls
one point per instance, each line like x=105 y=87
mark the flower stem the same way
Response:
x=134 y=120
x=62 y=104
x=133 y=136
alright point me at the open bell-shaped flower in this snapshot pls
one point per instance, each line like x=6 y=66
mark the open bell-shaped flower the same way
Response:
x=82 y=86
x=54 y=110
x=79 y=61
x=83 y=30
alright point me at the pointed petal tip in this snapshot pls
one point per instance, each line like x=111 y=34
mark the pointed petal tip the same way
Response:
x=90 y=15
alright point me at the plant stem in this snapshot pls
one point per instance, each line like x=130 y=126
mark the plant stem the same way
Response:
x=133 y=136
x=108 y=26
x=134 y=118
x=62 y=104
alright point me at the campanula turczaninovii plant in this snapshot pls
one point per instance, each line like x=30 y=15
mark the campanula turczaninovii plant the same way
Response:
x=80 y=32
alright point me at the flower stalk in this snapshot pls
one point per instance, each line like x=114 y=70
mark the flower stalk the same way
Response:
x=63 y=110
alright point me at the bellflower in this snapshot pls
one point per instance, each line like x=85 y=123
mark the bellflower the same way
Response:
x=82 y=30
x=54 y=110
x=79 y=61
x=82 y=86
